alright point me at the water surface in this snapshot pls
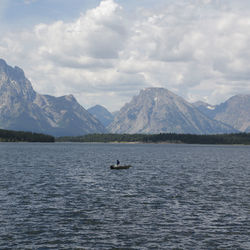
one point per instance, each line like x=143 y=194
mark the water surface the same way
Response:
x=64 y=196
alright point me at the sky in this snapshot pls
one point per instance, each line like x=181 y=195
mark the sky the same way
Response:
x=105 y=51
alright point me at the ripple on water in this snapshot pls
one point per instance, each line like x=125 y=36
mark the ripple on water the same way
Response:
x=64 y=196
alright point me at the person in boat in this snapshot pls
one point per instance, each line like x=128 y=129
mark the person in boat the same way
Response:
x=117 y=163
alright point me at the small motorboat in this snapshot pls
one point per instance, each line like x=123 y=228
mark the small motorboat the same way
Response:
x=120 y=166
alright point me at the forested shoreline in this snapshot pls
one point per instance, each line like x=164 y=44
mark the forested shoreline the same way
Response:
x=230 y=139
x=239 y=138
x=21 y=136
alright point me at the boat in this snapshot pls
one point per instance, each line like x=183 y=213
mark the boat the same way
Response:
x=120 y=166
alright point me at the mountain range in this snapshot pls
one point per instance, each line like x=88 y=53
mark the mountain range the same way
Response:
x=234 y=111
x=21 y=108
x=158 y=110
x=154 y=110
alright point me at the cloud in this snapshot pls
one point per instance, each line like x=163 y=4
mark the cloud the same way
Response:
x=29 y=1
x=100 y=33
x=198 y=49
x=183 y=50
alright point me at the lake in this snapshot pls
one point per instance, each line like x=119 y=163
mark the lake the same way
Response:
x=65 y=196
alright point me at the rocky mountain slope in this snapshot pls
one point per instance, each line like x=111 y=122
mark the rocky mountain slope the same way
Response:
x=157 y=110
x=102 y=114
x=205 y=108
x=234 y=112
x=21 y=108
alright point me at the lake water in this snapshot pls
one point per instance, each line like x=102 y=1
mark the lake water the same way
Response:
x=65 y=196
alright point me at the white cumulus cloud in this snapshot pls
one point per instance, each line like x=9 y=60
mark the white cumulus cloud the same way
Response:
x=198 y=49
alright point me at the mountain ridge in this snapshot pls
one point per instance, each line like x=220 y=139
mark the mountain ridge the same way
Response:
x=158 y=110
x=21 y=108
x=235 y=111
x=102 y=114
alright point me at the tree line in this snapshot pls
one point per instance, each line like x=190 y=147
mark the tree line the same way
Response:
x=239 y=138
x=21 y=136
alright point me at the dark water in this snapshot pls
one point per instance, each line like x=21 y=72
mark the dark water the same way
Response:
x=64 y=196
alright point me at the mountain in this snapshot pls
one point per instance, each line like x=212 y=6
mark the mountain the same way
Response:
x=102 y=114
x=115 y=113
x=235 y=112
x=21 y=108
x=205 y=108
x=157 y=110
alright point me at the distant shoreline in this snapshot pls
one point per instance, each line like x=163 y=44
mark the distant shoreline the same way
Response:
x=163 y=138
x=23 y=136
x=155 y=143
